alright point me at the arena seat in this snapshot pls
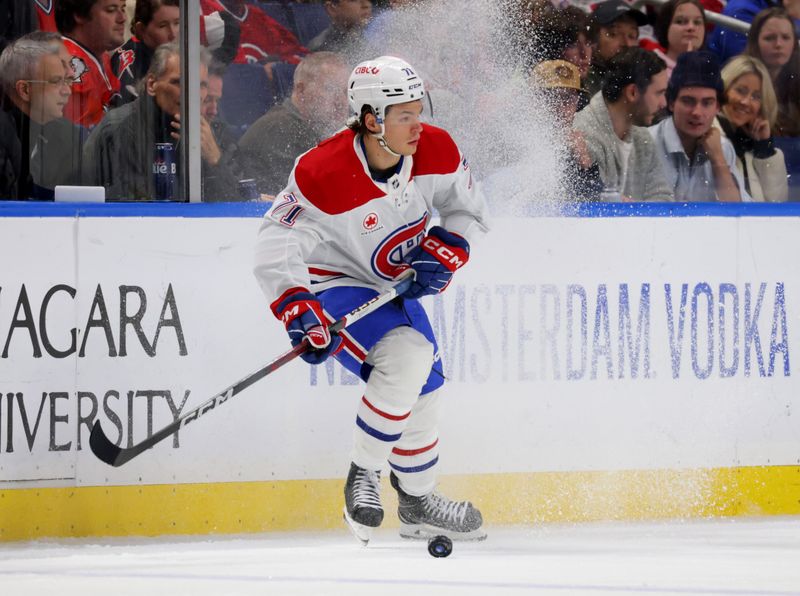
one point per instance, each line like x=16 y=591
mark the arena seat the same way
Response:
x=309 y=20
x=279 y=11
x=282 y=79
x=791 y=154
x=247 y=95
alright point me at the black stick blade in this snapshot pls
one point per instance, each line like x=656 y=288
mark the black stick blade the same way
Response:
x=104 y=449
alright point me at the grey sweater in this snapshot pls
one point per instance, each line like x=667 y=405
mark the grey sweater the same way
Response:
x=645 y=179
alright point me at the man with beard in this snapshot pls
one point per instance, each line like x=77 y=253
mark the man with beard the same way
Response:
x=699 y=163
x=632 y=94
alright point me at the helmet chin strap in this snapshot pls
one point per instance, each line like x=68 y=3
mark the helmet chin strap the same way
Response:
x=382 y=141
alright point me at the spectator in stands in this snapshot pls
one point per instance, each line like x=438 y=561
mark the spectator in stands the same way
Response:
x=313 y=112
x=700 y=164
x=121 y=150
x=681 y=27
x=263 y=40
x=563 y=35
x=560 y=84
x=346 y=31
x=155 y=22
x=35 y=91
x=613 y=26
x=223 y=136
x=633 y=92
x=746 y=119
x=773 y=40
x=91 y=29
x=726 y=43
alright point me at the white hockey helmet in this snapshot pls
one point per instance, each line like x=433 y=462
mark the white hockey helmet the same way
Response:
x=383 y=82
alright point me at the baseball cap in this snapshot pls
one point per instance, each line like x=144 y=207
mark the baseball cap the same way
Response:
x=606 y=13
x=557 y=74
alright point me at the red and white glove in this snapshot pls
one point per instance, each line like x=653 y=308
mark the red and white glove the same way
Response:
x=302 y=314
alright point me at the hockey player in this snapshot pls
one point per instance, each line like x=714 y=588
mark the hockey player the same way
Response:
x=354 y=215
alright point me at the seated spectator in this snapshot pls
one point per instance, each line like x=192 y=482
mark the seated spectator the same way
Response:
x=726 y=43
x=58 y=157
x=223 y=137
x=121 y=151
x=773 y=40
x=262 y=40
x=35 y=91
x=346 y=31
x=91 y=29
x=613 y=26
x=700 y=164
x=746 y=119
x=155 y=22
x=563 y=35
x=681 y=27
x=633 y=92
x=313 y=112
x=560 y=84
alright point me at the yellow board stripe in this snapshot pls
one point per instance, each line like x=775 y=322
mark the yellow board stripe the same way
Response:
x=237 y=507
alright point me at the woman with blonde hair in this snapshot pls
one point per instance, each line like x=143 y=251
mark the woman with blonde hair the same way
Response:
x=747 y=118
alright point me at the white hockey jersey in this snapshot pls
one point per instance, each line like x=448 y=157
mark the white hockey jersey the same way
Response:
x=333 y=225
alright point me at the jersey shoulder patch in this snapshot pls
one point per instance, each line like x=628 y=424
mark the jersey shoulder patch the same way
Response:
x=332 y=178
x=437 y=153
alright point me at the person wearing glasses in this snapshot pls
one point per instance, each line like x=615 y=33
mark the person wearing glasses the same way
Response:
x=36 y=88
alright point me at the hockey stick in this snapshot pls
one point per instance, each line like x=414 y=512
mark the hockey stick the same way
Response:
x=116 y=456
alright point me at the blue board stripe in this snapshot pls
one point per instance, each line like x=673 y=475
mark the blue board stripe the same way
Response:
x=258 y=209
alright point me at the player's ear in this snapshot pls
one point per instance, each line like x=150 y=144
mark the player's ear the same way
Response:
x=138 y=29
x=371 y=122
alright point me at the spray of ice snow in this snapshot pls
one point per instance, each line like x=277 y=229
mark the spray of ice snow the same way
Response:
x=481 y=95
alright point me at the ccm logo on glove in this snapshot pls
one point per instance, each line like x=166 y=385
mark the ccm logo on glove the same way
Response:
x=450 y=257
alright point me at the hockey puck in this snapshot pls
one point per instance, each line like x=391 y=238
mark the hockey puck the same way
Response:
x=440 y=546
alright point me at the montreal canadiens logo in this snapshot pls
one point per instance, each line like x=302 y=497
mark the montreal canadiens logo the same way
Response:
x=389 y=259
x=371 y=221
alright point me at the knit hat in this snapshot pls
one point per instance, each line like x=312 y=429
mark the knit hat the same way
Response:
x=557 y=74
x=695 y=69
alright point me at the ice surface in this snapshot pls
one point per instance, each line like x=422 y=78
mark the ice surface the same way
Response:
x=722 y=556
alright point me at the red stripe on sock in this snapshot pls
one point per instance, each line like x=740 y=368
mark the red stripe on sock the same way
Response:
x=384 y=414
x=398 y=451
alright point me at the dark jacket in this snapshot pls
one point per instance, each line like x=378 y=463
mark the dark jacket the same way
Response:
x=273 y=143
x=10 y=158
x=120 y=152
x=45 y=155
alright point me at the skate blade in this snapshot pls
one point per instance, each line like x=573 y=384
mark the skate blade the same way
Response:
x=360 y=531
x=426 y=532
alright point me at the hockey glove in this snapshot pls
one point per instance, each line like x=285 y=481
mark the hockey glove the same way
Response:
x=301 y=313
x=435 y=260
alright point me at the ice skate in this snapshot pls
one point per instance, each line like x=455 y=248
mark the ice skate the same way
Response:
x=435 y=515
x=362 y=502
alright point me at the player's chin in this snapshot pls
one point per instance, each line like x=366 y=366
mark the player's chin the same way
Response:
x=411 y=148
